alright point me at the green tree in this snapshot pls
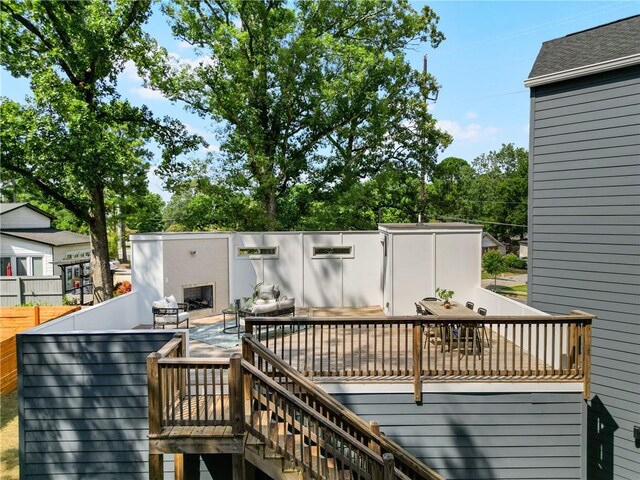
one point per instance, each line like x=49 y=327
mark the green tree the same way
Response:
x=501 y=190
x=306 y=92
x=493 y=264
x=76 y=139
x=450 y=188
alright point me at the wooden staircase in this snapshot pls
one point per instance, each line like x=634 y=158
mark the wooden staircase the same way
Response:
x=261 y=411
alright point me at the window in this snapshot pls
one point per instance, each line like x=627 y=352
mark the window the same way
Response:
x=337 y=251
x=38 y=270
x=257 y=252
x=21 y=266
x=4 y=261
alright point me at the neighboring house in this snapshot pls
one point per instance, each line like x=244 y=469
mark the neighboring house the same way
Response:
x=584 y=220
x=523 y=249
x=29 y=245
x=489 y=242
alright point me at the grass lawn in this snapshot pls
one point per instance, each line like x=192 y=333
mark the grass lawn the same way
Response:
x=512 y=271
x=516 y=290
x=9 y=469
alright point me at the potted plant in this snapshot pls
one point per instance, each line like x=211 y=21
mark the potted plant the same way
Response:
x=445 y=295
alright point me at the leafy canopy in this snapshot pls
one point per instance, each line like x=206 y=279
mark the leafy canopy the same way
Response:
x=312 y=92
x=75 y=139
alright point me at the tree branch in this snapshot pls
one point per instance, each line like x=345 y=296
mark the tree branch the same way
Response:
x=78 y=210
x=34 y=30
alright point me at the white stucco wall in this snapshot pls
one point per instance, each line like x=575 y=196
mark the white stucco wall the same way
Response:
x=426 y=257
x=335 y=282
x=24 y=217
x=417 y=262
x=147 y=272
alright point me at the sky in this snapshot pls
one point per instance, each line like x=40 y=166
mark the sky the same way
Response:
x=489 y=50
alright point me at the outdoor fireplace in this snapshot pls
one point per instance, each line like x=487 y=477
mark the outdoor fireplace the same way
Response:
x=198 y=297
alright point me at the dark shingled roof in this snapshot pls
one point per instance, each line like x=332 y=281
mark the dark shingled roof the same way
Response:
x=607 y=42
x=49 y=236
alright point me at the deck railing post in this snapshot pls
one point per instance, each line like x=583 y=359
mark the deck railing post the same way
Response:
x=586 y=367
x=389 y=468
x=417 y=362
x=247 y=356
x=248 y=327
x=155 y=406
x=374 y=445
x=236 y=395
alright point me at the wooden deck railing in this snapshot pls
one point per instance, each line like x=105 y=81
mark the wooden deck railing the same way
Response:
x=265 y=397
x=187 y=391
x=306 y=391
x=534 y=348
x=314 y=444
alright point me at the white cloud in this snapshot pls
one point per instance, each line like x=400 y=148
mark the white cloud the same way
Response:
x=184 y=45
x=147 y=93
x=471 y=115
x=179 y=61
x=471 y=132
x=213 y=148
x=130 y=72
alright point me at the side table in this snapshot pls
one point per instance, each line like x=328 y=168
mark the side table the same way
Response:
x=234 y=327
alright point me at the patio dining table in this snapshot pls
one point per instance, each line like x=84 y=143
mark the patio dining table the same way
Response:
x=457 y=309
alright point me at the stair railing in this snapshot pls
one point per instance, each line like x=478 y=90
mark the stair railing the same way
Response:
x=288 y=378
x=311 y=442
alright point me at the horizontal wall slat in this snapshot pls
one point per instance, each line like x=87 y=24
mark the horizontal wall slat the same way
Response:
x=83 y=404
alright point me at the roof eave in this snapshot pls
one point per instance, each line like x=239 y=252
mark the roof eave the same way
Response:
x=585 y=70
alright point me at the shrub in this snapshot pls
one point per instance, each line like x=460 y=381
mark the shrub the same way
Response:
x=513 y=261
x=121 y=288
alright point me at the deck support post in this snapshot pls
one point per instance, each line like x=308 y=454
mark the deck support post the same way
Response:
x=417 y=362
x=237 y=462
x=156 y=466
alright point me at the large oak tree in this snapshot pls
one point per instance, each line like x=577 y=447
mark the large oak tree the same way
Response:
x=304 y=91
x=75 y=139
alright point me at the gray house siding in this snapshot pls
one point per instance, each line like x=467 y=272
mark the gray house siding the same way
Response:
x=83 y=405
x=483 y=435
x=584 y=243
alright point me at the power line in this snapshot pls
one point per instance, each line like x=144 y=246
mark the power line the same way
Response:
x=481 y=221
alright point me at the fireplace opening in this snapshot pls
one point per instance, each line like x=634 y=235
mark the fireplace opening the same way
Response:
x=198 y=297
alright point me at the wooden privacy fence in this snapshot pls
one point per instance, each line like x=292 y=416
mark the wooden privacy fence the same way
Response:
x=531 y=348
x=16 y=291
x=12 y=321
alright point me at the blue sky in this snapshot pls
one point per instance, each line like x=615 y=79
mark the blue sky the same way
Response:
x=488 y=53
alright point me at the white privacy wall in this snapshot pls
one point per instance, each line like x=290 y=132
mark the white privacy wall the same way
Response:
x=147 y=277
x=317 y=282
x=421 y=258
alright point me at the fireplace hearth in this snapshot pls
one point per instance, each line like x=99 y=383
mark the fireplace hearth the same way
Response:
x=198 y=297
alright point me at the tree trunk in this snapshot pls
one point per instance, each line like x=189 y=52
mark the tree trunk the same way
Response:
x=100 y=271
x=123 y=240
x=271 y=209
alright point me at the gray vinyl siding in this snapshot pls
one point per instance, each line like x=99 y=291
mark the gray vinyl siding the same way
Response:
x=483 y=435
x=83 y=405
x=584 y=243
